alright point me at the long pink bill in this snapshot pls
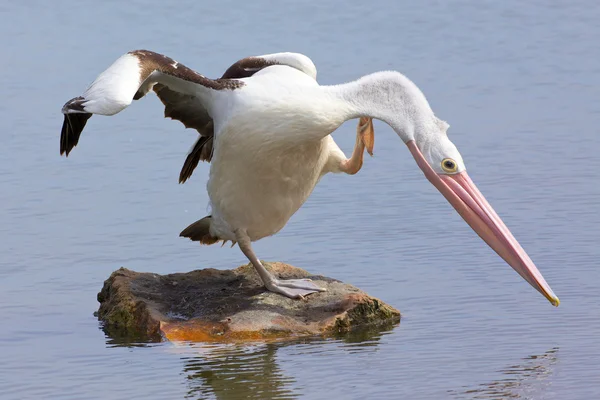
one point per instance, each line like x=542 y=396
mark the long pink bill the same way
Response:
x=468 y=201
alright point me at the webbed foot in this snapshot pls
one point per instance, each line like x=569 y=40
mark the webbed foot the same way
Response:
x=294 y=288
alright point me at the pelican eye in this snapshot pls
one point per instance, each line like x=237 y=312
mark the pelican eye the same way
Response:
x=449 y=165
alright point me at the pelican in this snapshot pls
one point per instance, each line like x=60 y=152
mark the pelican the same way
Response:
x=265 y=128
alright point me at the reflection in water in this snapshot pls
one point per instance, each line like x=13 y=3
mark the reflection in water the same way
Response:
x=238 y=372
x=252 y=371
x=523 y=381
x=116 y=337
x=248 y=371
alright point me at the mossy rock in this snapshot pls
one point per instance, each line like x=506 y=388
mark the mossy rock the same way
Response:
x=232 y=305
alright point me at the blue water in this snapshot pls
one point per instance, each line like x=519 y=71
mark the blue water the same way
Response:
x=518 y=83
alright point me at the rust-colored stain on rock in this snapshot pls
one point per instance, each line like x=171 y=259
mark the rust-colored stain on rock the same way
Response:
x=232 y=305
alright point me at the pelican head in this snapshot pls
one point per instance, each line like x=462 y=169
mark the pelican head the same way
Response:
x=443 y=166
x=402 y=105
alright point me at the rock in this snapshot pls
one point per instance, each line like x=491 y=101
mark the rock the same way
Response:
x=232 y=305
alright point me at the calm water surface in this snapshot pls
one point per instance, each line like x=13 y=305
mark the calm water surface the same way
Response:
x=517 y=81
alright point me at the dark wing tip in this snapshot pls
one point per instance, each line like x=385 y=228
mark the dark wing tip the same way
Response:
x=191 y=162
x=73 y=125
x=197 y=154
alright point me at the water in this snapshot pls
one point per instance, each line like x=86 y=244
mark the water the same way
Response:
x=518 y=83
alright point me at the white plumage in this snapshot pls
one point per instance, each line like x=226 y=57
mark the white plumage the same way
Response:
x=113 y=90
x=276 y=160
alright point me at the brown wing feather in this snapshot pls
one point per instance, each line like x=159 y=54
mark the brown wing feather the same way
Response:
x=202 y=151
x=191 y=113
x=184 y=108
x=246 y=67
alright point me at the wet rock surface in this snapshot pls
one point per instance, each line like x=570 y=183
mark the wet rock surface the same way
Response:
x=232 y=305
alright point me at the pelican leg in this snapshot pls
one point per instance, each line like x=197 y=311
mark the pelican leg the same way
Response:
x=365 y=139
x=292 y=288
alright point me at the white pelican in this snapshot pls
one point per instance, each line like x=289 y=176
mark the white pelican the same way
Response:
x=266 y=126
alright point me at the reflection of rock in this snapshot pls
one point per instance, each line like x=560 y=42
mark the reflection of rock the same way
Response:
x=216 y=305
x=522 y=381
x=240 y=371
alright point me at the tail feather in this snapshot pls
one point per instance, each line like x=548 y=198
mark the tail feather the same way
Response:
x=199 y=231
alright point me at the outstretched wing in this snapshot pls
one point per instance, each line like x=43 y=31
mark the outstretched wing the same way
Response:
x=129 y=78
x=184 y=108
x=134 y=74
